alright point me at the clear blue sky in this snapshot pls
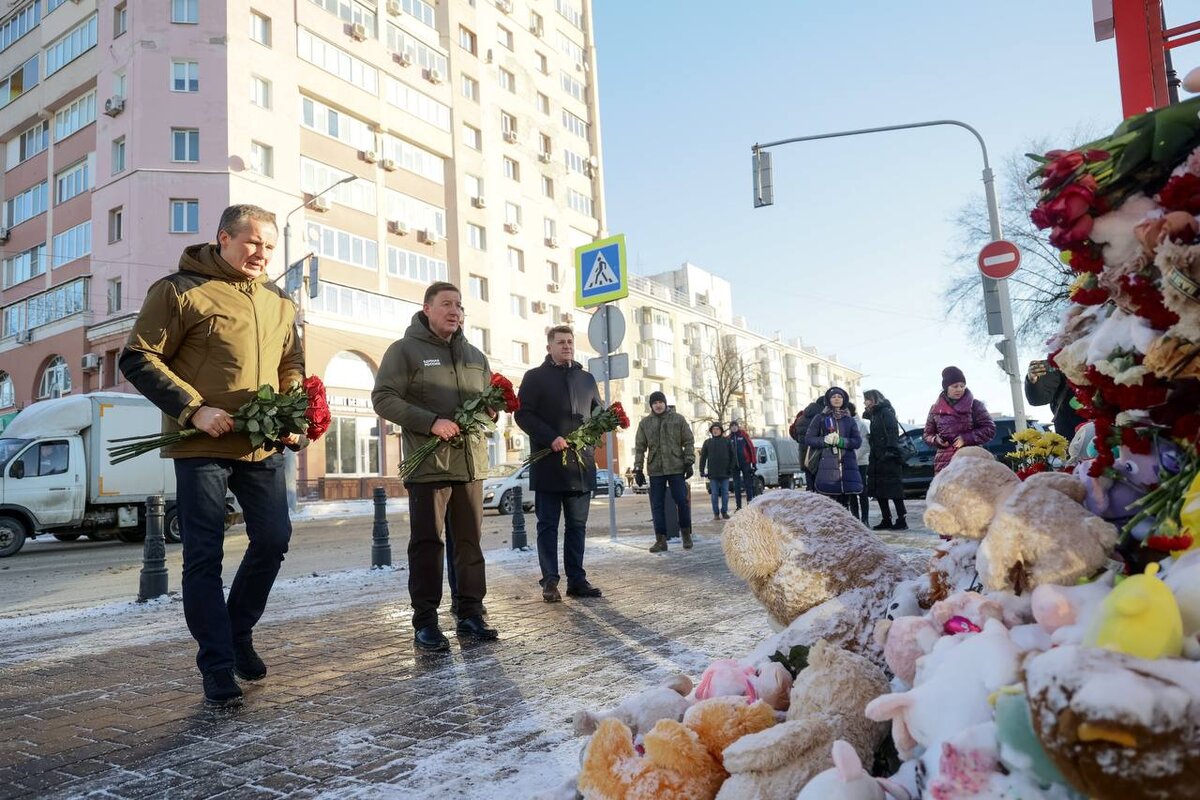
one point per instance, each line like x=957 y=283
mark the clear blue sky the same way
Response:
x=853 y=256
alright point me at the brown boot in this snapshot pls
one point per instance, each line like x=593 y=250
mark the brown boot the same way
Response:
x=550 y=592
x=660 y=544
x=686 y=533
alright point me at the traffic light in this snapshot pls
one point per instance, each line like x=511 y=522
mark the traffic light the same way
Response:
x=314 y=283
x=764 y=190
x=1008 y=360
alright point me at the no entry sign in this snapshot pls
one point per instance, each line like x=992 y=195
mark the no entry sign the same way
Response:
x=999 y=259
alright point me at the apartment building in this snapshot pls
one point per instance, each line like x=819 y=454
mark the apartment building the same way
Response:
x=469 y=128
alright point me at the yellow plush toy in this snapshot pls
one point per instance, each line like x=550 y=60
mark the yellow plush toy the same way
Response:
x=1140 y=618
x=682 y=760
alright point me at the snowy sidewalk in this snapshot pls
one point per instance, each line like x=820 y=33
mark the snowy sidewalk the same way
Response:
x=107 y=704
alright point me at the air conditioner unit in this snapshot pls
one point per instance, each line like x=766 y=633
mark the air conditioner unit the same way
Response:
x=510 y=137
x=505 y=6
x=393 y=7
x=512 y=227
x=24 y=337
x=551 y=241
x=433 y=75
x=403 y=59
x=430 y=237
x=539 y=307
x=479 y=202
x=320 y=204
x=397 y=227
x=4 y=234
x=488 y=57
x=369 y=156
x=389 y=164
x=568 y=317
x=553 y=287
x=537 y=30
x=637 y=363
x=545 y=157
x=393 y=429
x=686 y=341
x=114 y=106
x=358 y=32
x=593 y=162
x=89 y=362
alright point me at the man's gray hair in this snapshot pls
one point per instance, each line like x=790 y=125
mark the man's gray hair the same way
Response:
x=235 y=218
x=557 y=329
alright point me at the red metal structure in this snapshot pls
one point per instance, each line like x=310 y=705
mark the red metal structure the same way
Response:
x=1143 y=45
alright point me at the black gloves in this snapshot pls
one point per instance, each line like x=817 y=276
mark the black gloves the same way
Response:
x=639 y=477
x=688 y=472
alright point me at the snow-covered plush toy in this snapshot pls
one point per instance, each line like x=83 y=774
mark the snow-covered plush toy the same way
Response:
x=963 y=497
x=799 y=551
x=952 y=569
x=640 y=711
x=1043 y=534
x=1139 y=617
x=1116 y=726
x=771 y=682
x=827 y=704
x=682 y=759
x=904 y=641
x=970 y=606
x=1020 y=750
x=1175 y=355
x=849 y=781
x=1132 y=476
x=1183 y=579
x=1064 y=611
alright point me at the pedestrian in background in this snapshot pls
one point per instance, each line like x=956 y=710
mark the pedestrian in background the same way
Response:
x=1047 y=385
x=860 y=504
x=799 y=431
x=956 y=419
x=717 y=464
x=556 y=397
x=885 y=475
x=664 y=439
x=745 y=463
x=835 y=434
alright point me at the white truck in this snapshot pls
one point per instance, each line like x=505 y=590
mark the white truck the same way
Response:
x=56 y=478
x=778 y=463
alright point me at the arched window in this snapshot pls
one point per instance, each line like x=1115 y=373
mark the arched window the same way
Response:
x=56 y=379
x=352 y=443
x=8 y=397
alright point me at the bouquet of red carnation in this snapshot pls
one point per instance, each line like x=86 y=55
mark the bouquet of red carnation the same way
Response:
x=269 y=416
x=474 y=419
x=602 y=421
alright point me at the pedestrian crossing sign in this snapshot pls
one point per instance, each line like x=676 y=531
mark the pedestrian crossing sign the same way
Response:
x=601 y=272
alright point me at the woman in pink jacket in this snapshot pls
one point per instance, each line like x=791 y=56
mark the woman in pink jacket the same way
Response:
x=956 y=420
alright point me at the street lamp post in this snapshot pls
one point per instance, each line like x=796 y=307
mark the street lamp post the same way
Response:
x=291 y=468
x=997 y=305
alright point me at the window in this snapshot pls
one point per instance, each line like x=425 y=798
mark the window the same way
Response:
x=120 y=19
x=516 y=259
x=342 y=246
x=260 y=92
x=262 y=159
x=19 y=81
x=47 y=458
x=512 y=213
x=508 y=123
x=354 y=12
x=575 y=162
x=571 y=86
x=327 y=121
x=185 y=144
x=481 y=338
x=520 y=352
x=316 y=176
x=473 y=184
x=26 y=205
x=468 y=41
x=549 y=228
x=421 y=11
x=20 y=24
x=472 y=137
x=73 y=243
x=543 y=103
x=547 y=187
x=415 y=213
x=116 y=218
x=416 y=266
x=508 y=81
x=119 y=84
x=71 y=45
x=28 y=144
x=477 y=288
x=543 y=63
x=24 y=266
x=570 y=49
x=470 y=88
x=512 y=169
x=352 y=446
x=504 y=36
x=476 y=236
x=417 y=51
x=545 y=145
x=415 y=159
x=8 y=397
x=260 y=28
x=518 y=306
x=552 y=272
x=56 y=381
x=537 y=25
x=185 y=11
x=421 y=106
x=77 y=115
x=579 y=202
x=569 y=13
x=72 y=181
x=185 y=76
x=114 y=295
x=118 y=155
x=574 y=124
x=185 y=216
x=337 y=61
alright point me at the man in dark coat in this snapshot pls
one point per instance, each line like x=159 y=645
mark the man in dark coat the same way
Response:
x=1045 y=385
x=556 y=398
x=798 y=431
x=716 y=464
x=745 y=463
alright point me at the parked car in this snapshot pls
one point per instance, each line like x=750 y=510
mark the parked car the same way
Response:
x=498 y=488
x=603 y=477
x=918 y=456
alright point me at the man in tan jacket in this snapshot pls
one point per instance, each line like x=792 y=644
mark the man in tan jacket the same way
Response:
x=207 y=337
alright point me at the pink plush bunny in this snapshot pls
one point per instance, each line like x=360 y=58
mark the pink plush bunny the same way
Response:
x=849 y=781
x=727 y=678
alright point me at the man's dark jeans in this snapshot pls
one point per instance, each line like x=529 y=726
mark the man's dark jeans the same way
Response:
x=549 y=506
x=743 y=481
x=658 y=497
x=216 y=623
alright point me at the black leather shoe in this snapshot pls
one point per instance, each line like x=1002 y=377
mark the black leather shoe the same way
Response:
x=431 y=639
x=900 y=525
x=246 y=662
x=550 y=592
x=476 y=628
x=221 y=689
x=584 y=589
x=886 y=525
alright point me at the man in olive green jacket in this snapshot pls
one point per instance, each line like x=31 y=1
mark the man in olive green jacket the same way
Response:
x=422 y=379
x=665 y=439
x=207 y=337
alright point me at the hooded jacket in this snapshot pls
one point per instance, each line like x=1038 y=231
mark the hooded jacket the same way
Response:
x=885 y=478
x=208 y=335
x=555 y=401
x=968 y=418
x=838 y=473
x=666 y=442
x=422 y=378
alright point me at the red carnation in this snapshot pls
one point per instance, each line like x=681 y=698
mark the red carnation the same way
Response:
x=1182 y=193
x=1169 y=544
x=317 y=413
x=1086 y=259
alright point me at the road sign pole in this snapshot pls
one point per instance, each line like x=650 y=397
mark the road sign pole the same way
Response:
x=609 y=438
x=1006 y=317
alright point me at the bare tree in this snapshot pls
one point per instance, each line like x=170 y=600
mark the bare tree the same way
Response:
x=728 y=378
x=1039 y=290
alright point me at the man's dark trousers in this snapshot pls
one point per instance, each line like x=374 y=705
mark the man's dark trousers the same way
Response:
x=573 y=506
x=659 y=484
x=743 y=481
x=216 y=623
x=427 y=507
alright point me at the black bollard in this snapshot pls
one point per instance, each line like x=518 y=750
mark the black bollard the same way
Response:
x=519 y=540
x=153 y=581
x=381 y=550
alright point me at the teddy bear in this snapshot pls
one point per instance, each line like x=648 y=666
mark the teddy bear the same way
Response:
x=798 y=551
x=827 y=704
x=639 y=712
x=682 y=760
x=963 y=497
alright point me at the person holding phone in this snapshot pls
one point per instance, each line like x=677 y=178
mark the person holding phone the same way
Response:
x=956 y=420
x=1046 y=385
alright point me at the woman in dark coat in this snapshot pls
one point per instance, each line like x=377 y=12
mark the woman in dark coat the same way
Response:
x=836 y=434
x=885 y=475
x=956 y=420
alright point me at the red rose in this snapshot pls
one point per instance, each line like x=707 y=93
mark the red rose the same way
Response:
x=317 y=413
x=1060 y=168
x=1182 y=193
x=1092 y=156
x=1067 y=237
x=1070 y=204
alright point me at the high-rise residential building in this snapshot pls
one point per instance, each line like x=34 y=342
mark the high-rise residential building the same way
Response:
x=471 y=130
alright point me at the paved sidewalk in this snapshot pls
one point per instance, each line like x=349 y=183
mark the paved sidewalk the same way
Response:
x=349 y=709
